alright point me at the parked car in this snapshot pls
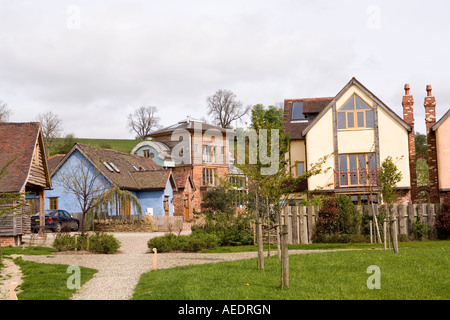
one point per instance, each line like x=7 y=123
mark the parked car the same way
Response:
x=55 y=220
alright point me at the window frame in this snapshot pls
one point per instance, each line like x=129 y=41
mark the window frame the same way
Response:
x=354 y=115
x=354 y=177
x=52 y=205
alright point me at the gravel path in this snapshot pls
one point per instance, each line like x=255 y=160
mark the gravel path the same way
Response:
x=118 y=274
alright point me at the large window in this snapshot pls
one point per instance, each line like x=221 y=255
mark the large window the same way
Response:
x=209 y=154
x=53 y=203
x=357 y=169
x=355 y=113
x=209 y=176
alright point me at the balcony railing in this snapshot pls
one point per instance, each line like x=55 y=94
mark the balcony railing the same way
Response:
x=356 y=178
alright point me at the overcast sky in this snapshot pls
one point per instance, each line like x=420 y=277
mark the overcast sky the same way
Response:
x=94 y=62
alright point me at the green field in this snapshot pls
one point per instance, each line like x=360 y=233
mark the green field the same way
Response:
x=419 y=271
x=122 y=145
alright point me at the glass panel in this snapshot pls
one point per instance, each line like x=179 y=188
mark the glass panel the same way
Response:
x=341 y=120
x=360 y=119
x=369 y=119
x=343 y=162
x=362 y=168
x=353 y=169
x=297 y=111
x=360 y=104
x=343 y=170
x=350 y=120
x=299 y=168
x=349 y=105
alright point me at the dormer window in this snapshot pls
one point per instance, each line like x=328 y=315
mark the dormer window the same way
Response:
x=355 y=113
x=297 y=111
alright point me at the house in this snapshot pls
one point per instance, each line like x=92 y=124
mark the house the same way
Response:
x=106 y=169
x=190 y=146
x=22 y=153
x=358 y=131
x=441 y=132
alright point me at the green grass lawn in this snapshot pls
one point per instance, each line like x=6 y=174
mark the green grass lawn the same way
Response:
x=419 y=271
x=43 y=281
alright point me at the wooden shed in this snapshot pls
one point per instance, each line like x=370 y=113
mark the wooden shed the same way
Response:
x=25 y=172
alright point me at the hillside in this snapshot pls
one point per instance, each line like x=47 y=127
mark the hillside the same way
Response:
x=123 y=145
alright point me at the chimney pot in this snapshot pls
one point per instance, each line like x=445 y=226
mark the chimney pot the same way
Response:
x=429 y=90
x=407 y=89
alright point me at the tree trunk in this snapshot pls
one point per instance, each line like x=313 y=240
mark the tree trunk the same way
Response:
x=284 y=257
x=278 y=234
x=259 y=239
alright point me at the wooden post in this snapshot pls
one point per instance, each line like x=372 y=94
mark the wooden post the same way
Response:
x=370 y=230
x=87 y=242
x=155 y=259
x=384 y=233
x=284 y=257
x=375 y=212
x=309 y=211
x=294 y=225
x=76 y=242
x=394 y=232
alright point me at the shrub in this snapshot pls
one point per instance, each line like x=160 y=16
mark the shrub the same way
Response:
x=103 y=243
x=230 y=229
x=99 y=242
x=420 y=228
x=343 y=238
x=64 y=242
x=403 y=238
x=188 y=243
x=443 y=220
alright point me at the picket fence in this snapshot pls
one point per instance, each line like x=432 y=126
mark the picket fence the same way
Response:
x=301 y=220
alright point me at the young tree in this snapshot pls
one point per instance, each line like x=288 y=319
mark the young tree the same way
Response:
x=143 y=121
x=224 y=107
x=389 y=176
x=85 y=182
x=51 y=126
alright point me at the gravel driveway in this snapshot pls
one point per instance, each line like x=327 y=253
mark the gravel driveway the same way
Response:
x=119 y=273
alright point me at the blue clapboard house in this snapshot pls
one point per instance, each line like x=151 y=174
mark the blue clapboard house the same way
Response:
x=102 y=169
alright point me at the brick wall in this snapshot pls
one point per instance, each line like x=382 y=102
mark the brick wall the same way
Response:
x=10 y=241
x=430 y=120
x=408 y=116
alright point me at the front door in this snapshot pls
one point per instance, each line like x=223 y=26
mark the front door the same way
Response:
x=166 y=205
x=186 y=206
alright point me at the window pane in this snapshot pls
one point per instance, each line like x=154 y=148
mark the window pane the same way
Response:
x=353 y=169
x=299 y=168
x=360 y=104
x=369 y=119
x=341 y=120
x=360 y=119
x=350 y=119
x=362 y=168
x=297 y=111
x=349 y=105
x=343 y=162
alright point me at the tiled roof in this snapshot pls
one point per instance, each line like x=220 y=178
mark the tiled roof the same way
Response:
x=53 y=161
x=17 y=141
x=133 y=172
x=310 y=106
x=182 y=177
x=189 y=125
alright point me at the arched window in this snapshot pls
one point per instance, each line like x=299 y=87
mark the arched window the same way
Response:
x=355 y=113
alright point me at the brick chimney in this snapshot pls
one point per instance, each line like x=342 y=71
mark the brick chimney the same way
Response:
x=408 y=116
x=430 y=120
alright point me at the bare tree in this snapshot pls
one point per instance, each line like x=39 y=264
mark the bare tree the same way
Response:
x=224 y=107
x=4 y=112
x=85 y=182
x=51 y=128
x=143 y=121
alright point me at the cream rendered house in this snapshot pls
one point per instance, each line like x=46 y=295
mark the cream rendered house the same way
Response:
x=358 y=131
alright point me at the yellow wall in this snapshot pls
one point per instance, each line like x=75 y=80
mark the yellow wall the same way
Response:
x=393 y=139
x=297 y=153
x=319 y=143
x=443 y=154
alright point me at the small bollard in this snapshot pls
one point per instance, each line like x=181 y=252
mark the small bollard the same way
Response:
x=155 y=259
x=12 y=292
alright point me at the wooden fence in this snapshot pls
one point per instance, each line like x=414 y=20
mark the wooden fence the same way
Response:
x=166 y=224
x=301 y=220
x=15 y=223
